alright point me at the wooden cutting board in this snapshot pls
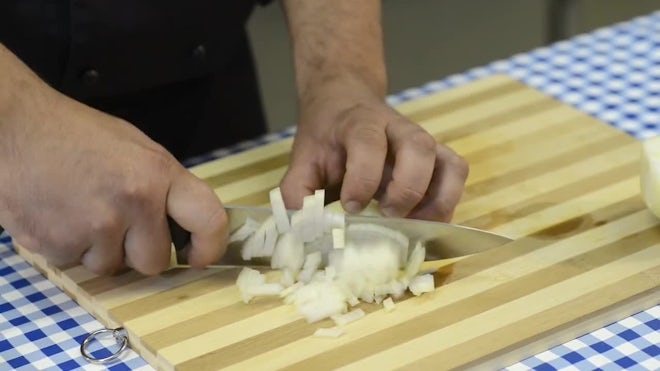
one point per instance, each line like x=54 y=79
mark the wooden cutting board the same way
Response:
x=562 y=184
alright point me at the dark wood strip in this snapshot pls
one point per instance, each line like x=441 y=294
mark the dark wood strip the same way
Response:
x=464 y=309
x=510 y=178
x=101 y=284
x=554 y=197
x=175 y=295
x=542 y=324
x=283 y=335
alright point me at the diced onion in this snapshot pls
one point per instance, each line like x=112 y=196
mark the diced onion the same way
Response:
x=349 y=317
x=244 y=231
x=332 y=332
x=422 y=284
x=338 y=240
x=279 y=211
x=388 y=304
x=327 y=266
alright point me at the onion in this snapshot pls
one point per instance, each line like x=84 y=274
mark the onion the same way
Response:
x=279 y=211
x=332 y=332
x=422 y=284
x=349 y=317
x=328 y=266
x=388 y=304
x=249 y=226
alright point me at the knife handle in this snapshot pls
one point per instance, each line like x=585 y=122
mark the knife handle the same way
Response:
x=180 y=237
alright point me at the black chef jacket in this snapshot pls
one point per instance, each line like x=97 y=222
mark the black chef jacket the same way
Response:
x=180 y=70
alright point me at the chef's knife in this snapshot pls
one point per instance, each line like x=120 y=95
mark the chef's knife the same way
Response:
x=442 y=240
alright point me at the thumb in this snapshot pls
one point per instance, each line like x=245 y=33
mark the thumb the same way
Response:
x=196 y=208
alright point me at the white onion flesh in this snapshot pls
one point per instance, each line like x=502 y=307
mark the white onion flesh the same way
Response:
x=349 y=317
x=327 y=266
x=388 y=304
x=279 y=211
x=332 y=332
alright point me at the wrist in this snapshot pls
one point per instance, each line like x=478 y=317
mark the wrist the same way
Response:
x=352 y=87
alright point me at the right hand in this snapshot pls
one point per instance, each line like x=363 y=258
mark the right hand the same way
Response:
x=80 y=185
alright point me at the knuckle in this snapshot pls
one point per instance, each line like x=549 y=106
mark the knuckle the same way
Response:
x=371 y=134
x=405 y=194
x=106 y=223
x=423 y=141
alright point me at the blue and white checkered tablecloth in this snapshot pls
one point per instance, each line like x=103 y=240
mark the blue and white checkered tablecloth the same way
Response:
x=612 y=73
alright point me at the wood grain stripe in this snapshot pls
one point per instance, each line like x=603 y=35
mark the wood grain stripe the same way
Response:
x=497 y=341
x=493 y=218
x=501 y=316
x=560 y=160
x=521 y=260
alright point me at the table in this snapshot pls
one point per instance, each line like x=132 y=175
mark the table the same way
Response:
x=612 y=73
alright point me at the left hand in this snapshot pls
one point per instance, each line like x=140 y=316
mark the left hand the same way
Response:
x=351 y=143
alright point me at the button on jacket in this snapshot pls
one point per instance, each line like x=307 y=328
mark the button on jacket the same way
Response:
x=181 y=71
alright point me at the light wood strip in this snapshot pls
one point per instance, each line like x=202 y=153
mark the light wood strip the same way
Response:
x=513 y=128
x=255 y=184
x=450 y=97
x=517 y=310
x=571 y=209
x=471 y=114
x=193 y=308
x=564 y=159
x=541 y=201
x=554 y=179
x=525 y=261
x=643 y=284
x=527 y=154
x=150 y=286
x=242 y=159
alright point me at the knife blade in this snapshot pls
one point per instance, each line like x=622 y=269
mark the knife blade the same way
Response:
x=442 y=240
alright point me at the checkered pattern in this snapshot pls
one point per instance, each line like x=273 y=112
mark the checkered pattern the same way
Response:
x=630 y=344
x=612 y=73
x=41 y=327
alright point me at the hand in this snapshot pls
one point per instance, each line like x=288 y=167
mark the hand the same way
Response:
x=80 y=185
x=354 y=145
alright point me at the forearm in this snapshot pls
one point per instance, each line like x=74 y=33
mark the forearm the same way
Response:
x=337 y=42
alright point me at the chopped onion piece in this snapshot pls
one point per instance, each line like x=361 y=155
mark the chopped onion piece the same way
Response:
x=297 y=224
x=244 y=231
x=291 y=289
x=247 y=279
x=422 y=284
x=289 y=253
x=330 y=273
x=319 y=202
x=332 y=332
x=361 y=234
x=254 y=244
x=415 y=261
x=349 y=317
x=310 y=230
x=279 y=211
x=311 y=265
x=265 y=289
x=332 y=220
x=270 y=238
x=388 y=304
x=338 y=238
x=353 y=301
x=288 y=278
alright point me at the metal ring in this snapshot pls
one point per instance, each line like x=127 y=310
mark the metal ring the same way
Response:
x=117 y=333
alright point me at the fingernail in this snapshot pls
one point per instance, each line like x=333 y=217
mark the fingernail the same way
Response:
x=353 y=207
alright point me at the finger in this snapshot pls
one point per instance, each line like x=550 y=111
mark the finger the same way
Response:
x=447 y=186
x=147 y=244
x=302 y=178
x=366 y=150
x=414 y=163
x=106 y=255
x=192 y=204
